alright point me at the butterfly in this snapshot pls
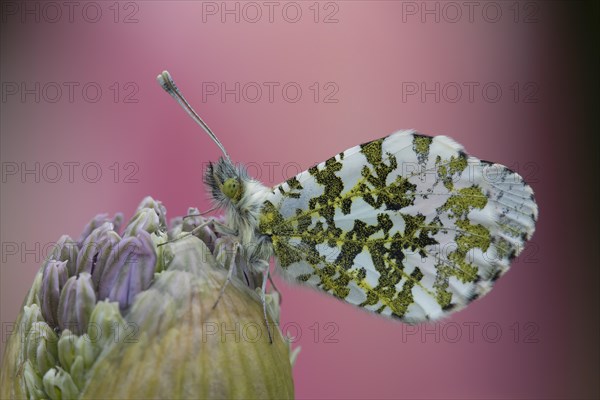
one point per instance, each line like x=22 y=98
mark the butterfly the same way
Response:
x=407 y=226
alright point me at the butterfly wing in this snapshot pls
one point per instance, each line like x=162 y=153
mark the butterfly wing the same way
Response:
x=407 y=226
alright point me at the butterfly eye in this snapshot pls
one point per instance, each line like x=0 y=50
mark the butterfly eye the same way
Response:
x=232 y=189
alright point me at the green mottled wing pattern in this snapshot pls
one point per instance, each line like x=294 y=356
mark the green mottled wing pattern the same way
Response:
x=407 y=226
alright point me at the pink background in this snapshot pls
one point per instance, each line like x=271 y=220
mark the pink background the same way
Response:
x=370 y=54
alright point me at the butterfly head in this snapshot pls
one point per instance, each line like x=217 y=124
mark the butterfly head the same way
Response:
x=225 y=181
x=232 y=189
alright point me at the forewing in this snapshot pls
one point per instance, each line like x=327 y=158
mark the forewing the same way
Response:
x=408 y=226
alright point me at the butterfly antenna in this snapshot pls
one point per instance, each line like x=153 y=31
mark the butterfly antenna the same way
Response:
x=166 y=81
x=202 y=213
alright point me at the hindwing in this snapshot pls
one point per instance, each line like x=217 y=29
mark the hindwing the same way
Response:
x=408 y=226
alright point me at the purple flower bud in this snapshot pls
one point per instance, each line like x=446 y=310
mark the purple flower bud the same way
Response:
x=158 y=208
x=129 y=269
x=77 y=300
x=54 y=277
x=98 y=221
x=91 y=247
x=107 y=243
x=144 y=220
x=66 y=249
x=117 y=221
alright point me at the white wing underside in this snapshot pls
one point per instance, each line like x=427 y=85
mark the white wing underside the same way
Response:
x=450 y=260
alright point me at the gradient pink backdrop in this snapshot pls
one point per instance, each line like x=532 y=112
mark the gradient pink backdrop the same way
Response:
x=368 y=53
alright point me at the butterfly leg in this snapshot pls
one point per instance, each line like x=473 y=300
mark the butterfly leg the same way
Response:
x=202 y=213
x=275 y=289
x=191 y=233
x=236 y=247
x=222 y=228
x=232 y=266
x=264 y=303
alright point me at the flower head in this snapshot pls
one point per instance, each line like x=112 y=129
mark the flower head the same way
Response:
x=128 y=315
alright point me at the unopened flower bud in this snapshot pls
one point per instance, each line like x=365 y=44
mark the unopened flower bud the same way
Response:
x=129 y=269
x=145 y=220
x=157 y=207
x=106 y=324
x=31 y=314
x=54 y=277
x=33 y=382
x=77 y=300
x=85 y=349
x=66 y=249
x=107 y=243
x=91 y=247
x=66 y=349
x=77 y=354
x=58 y=385
x=41 y=347
x=98 y=221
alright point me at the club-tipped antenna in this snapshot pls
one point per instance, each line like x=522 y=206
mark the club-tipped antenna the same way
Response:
x=166 y=81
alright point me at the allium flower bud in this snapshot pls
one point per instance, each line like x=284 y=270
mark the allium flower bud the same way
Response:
x=33 y=382
x=54 y=277
x=66 y=249
x=66 y=349
x=59 y=385
x=30 y=315
x=108 y=242
x=77 y=300
x=145 y=310
x=88 y=256
x=129 y=271
x=41 y=347
x=98 y=221
x=145 y=220
x=158 y=208
x=106 y=324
